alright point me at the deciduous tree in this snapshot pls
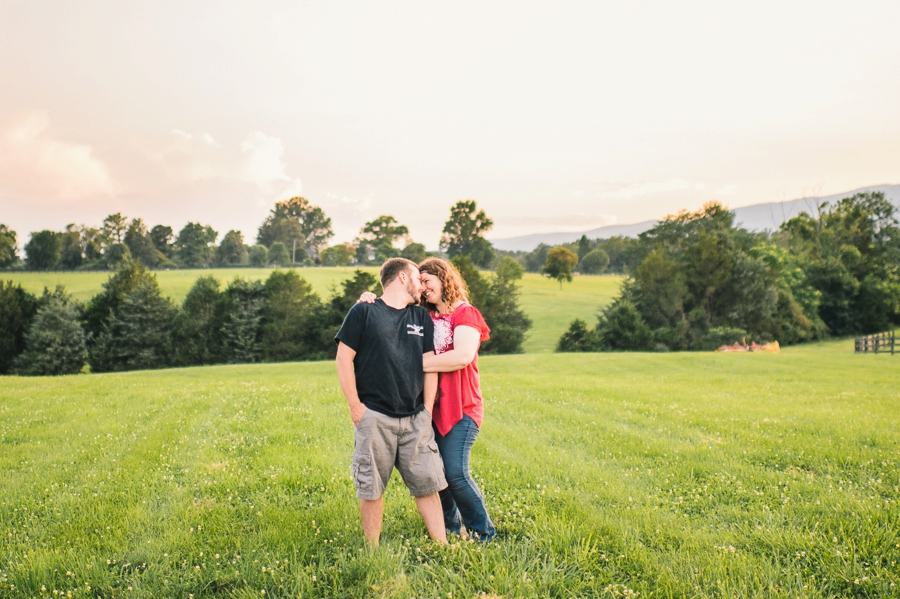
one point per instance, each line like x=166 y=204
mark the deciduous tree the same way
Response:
x=559 y=264
x=42 y=251
x=141 y=245
x=278 y=254
x=594 y=262
x=232 y=252
x=193 y=248
x=297 y=219
x=463 y=233
x=338 y=255
x=382 y=235
x=9 y=247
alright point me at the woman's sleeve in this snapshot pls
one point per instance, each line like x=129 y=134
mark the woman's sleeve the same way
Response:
x=469 y=316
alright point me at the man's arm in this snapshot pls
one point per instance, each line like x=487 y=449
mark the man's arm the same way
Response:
x=431 y=386
x=347 y=378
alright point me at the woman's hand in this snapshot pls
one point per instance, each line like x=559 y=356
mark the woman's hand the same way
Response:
x=367 y=297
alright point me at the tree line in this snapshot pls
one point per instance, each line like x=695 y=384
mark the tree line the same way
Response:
x=699 y=282
x=131 y=325
x=295 y=232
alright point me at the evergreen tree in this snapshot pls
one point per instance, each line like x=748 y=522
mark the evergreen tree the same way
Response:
x=17 y=310
x=584 y=246
x=242 y=327
x=501 y=310
x=291 y=319
x=196 y=336
x=55 y=342
x=137 y=335
x=479 y=288
x=116 y=255
x=578 y=338
x=114 y=291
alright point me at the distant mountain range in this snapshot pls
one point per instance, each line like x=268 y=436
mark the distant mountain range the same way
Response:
x=758 y=217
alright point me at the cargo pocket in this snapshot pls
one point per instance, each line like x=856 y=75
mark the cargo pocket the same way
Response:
x=362 y=475
x=437 y=467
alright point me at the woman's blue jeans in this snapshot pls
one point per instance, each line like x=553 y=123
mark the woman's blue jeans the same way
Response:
x=462 y=497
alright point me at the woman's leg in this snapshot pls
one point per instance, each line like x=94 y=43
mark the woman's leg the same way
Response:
x=466 y=497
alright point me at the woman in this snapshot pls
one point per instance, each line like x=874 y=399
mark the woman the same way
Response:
x=459 y=330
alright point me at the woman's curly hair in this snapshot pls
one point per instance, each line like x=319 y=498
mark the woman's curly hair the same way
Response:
x=452 y=284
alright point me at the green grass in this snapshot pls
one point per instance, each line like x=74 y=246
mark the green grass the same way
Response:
x=667 y=475
x=551 y=309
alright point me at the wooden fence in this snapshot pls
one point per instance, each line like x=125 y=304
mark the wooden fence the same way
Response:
x=879 y=342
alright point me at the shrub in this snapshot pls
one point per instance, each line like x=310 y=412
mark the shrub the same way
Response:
x=578 y=338
x=621 y=328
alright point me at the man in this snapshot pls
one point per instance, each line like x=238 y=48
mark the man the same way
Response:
x=379 y=364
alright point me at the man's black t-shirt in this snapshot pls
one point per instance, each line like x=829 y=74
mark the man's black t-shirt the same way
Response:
x=389 y=344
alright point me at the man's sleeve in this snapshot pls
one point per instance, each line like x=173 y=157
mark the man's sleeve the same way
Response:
x=428 y=341
x=351 y=331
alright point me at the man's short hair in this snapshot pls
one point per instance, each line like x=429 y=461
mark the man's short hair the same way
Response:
x=392 y=268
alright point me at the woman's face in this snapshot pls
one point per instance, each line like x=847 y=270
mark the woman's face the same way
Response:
x=432 y=288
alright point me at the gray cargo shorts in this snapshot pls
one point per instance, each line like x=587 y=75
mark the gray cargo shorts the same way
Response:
x=383 y=442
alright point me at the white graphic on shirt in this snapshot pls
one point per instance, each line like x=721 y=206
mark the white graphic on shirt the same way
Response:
x=443 y=336
x=414 y=329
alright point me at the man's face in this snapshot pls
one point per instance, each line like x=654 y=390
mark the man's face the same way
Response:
x=414 y=285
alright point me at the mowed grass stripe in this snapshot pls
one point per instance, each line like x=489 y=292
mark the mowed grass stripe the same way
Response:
x=550 y=307
x=708 y=475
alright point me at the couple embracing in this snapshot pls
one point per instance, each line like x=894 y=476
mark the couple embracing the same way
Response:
x=408 y=366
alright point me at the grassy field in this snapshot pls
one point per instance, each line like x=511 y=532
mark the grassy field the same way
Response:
x=551 y=308
x=608 y=475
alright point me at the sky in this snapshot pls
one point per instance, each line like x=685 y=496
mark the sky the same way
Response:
x=553 y=116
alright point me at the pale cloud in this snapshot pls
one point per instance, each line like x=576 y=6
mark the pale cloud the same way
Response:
x=36 y=165
x=647 y=188
x=257 y=161
x=727 y=190
x=578 y=193
x=261 y=162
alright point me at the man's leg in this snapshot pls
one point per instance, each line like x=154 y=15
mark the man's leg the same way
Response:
x=371 y=511
x=429 y=507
